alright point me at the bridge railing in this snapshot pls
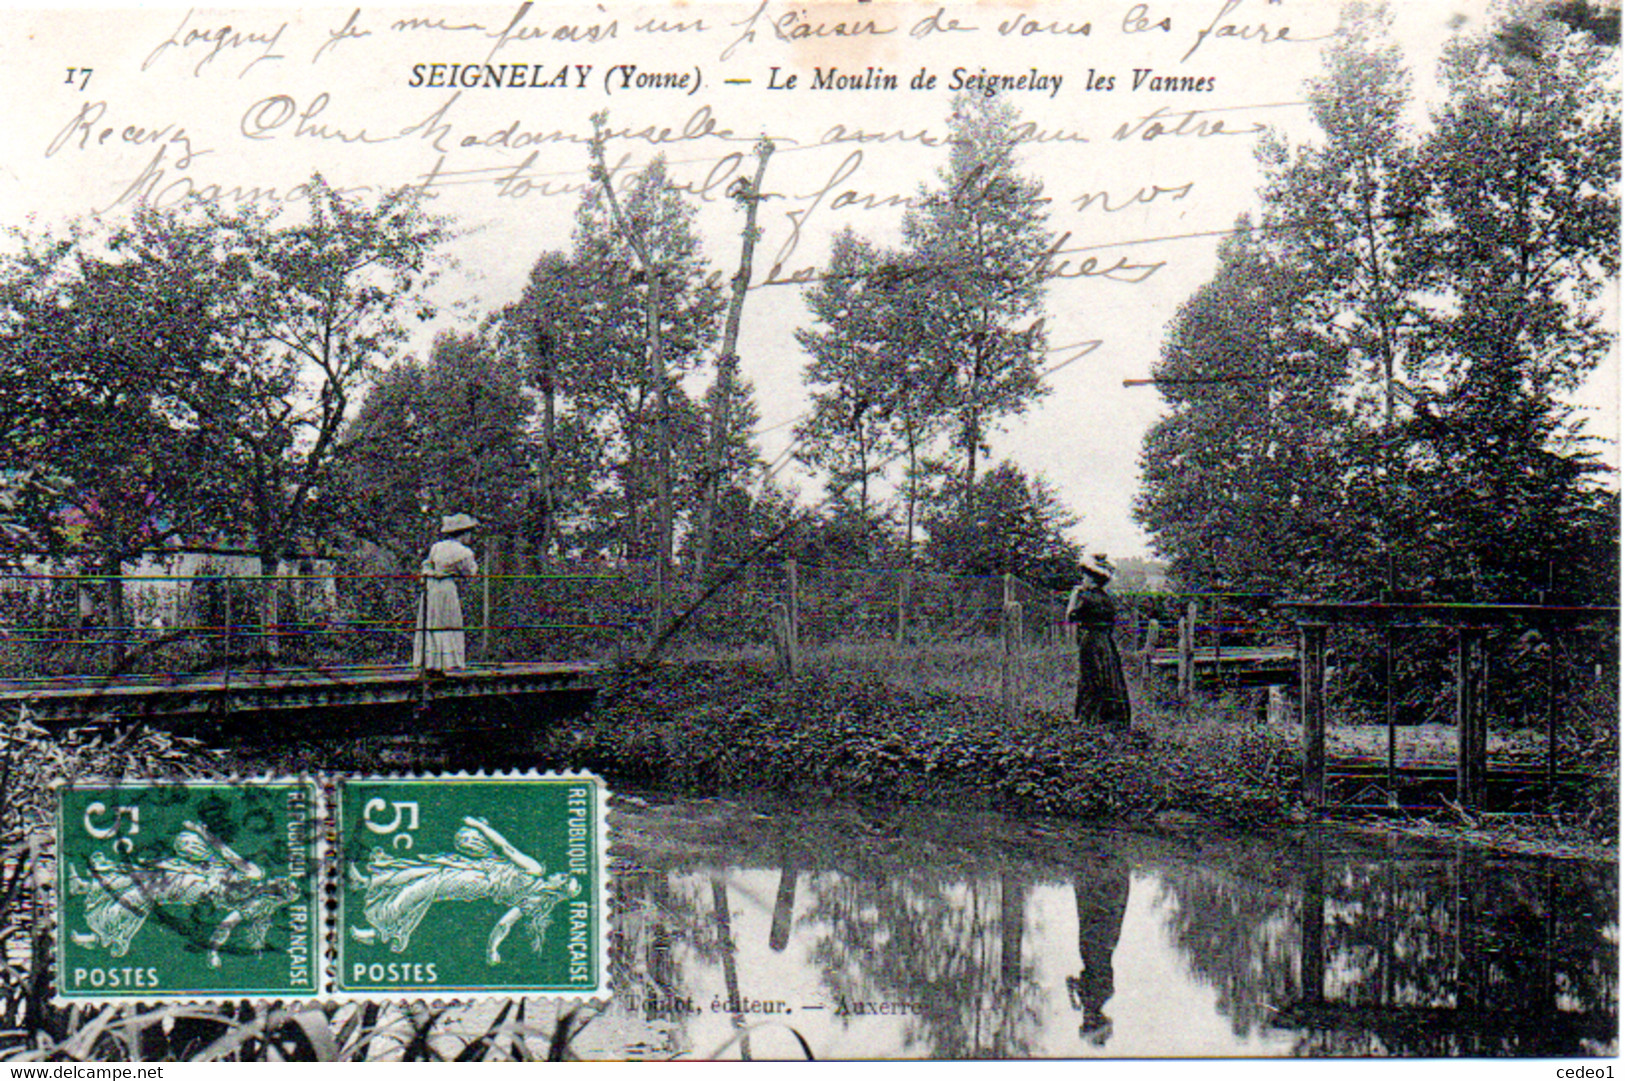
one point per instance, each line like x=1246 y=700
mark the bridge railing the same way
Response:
x=64 y=624
x=933 y=629
x=941 y=628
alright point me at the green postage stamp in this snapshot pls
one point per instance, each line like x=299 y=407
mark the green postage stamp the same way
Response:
x=453 y=887
x=446 y=888
x=182 y=891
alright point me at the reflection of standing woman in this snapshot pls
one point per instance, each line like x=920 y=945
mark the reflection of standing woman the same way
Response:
x=1102 y=896
x=438 y=646
x=1102 y=694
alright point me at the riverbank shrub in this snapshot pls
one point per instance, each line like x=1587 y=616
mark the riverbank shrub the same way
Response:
x=708 y=729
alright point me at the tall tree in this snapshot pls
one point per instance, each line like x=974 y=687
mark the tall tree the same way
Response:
x=1340 y=210
x=1441 y=290
x=438 y=438
x=628 y=368
x=320 y=308
x=1014 y=525
x=656 y=228
x=538 y=327
x=725 y=424
x=848 y=432
x=977 y=246
x=1522 y=172
x=1244 y=479
x=96 y=333
x=552 y=336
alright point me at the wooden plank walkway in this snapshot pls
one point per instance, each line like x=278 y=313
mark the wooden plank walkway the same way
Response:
x=1229 y=656
x=1241 y=666
x=67 y=699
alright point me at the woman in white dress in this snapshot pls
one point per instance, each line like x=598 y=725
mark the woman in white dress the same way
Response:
x=438 y=645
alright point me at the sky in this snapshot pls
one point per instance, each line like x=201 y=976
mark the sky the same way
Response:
x=219 y=102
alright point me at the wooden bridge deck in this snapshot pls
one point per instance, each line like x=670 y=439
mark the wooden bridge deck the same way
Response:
x=1229 y=655
x=68 y=699
x=1245 y=666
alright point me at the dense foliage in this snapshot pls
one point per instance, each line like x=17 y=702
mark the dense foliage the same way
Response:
x=1371 y=387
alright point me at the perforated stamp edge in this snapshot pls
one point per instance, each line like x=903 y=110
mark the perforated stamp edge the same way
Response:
x=450 y=995
x=50 y=894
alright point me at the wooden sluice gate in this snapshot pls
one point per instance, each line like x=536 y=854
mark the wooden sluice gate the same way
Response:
x=1206 y=653
x=1375 y=782
x=1509 y=938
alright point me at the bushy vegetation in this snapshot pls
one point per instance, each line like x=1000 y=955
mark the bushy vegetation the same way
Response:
x=712 y=728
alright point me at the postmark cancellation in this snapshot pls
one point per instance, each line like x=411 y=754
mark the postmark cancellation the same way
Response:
x=188 y=890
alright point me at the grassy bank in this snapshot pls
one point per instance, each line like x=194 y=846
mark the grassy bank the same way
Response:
x=713 y=728
x=879 y=731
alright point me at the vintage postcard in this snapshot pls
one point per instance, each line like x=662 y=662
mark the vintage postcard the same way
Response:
x=1072 y=529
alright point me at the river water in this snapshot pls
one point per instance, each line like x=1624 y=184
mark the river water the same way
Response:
x=777 y=930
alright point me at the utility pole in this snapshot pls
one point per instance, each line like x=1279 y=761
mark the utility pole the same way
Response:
x=549 y=387
x=652 y=272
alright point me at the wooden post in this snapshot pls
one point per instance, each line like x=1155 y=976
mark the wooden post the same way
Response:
x=485 y=610
x=1312 y=691
x=1470 y=761
x=784 y=643
x=1153 y=631
x=225 y=582
x=1010 y=633
x=1187 y=654
x=1218 y=625
x=905 y=587
x=1388 y=712
x=1180 y=674
x=793 y=600
x=1009 y=589
x=273 y=615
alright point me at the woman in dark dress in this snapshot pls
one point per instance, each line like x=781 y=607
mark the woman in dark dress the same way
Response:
x=1102 y=694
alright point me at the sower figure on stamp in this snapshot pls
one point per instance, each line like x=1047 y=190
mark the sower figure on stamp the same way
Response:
x=1102 y=693
x=438 y=645
x=401 y=889
x=119 y=898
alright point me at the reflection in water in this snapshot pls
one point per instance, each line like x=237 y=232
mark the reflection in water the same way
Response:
x=730 y=970
x=742 y=934
x=784 y=907
x=1102 y=897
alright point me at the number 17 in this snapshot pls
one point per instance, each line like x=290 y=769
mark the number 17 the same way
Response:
x=83 y=73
